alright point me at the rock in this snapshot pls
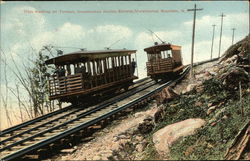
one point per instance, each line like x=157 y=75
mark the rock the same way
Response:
x=231 y=77
x=211 y=109
x=139 y=138
x=139 y=147
x=198 y=103
x=225 y=117
x=212 y=73
x=240 y=50
x=231 y=60
x=138 y=114
x=189 y=150
x=146 y=126
x=205 y=75
x=194 y=86
x=213 y=124
x=199 y=88
x=190 y=87
x=96 y=157
x=68 y=150
x=209 y=105
x=166 y=94
x=166 y=136
x=159 y=114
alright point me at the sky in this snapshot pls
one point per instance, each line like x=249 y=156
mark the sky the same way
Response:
x=27 y=26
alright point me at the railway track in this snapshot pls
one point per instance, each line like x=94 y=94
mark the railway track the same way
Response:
x=56 y=114
x=61 y=126
x=21 y=136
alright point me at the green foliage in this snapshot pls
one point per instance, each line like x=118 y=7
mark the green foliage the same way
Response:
x=212 y=86
x=211 y=142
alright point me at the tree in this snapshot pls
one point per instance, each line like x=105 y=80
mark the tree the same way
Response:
x=38 y=77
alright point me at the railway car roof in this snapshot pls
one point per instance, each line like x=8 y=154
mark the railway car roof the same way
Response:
x=162 y=47
x=81 y=56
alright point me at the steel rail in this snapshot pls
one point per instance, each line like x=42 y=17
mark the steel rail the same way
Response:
x=19 y=126
x=66 y=115
x=75 y=119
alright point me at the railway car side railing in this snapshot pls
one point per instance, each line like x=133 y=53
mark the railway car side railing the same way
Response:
x=59 y=85
x=159 y=66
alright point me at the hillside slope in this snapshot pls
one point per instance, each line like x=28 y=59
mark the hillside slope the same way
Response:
x=220 y=96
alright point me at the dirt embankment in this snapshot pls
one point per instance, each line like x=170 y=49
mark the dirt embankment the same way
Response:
x=220 y=96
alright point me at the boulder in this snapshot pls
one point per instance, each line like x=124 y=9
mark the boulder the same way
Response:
x=231 y=77
x=165 y=137
x=238 y=52
x=166 y=94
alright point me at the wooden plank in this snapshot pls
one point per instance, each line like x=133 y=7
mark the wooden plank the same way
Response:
x=73 y=85
x=93 y=89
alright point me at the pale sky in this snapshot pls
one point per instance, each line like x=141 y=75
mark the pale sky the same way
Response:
x=60 y=24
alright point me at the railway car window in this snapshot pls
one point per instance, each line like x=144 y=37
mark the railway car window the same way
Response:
x=118 y=61
x=123 y=60
x=113 y=62
x=126 y=60
x=94 y=67
x=89 y=67
x=163 y=54
x=108 y=63
x=103 y=66
x=85 y=64
x=97 y=67
x=100 y=66
x=68 y=69
x=169 y=54
x=72 y=69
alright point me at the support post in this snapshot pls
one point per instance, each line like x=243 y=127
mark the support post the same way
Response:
x=222 y=15
x=233 y=36
x=212 y=42
x=193 y=36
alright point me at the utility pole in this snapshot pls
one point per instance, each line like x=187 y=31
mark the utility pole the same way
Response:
x=233 y=36
x=193 y=35
x=212 y=42
x=222 y=15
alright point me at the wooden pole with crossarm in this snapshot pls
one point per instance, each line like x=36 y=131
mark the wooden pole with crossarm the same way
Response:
x=193 y=35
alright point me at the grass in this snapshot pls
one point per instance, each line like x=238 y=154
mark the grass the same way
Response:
x=210 y=142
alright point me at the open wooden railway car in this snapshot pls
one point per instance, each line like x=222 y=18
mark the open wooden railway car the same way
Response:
x=164 y=61
x=87 y=73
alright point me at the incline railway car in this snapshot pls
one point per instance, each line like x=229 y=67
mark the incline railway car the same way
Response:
x=164 y=61
x=84 y=74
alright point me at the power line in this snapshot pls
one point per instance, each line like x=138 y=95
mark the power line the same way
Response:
x=114 y=43
x=193 y=35
x=156 y=35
